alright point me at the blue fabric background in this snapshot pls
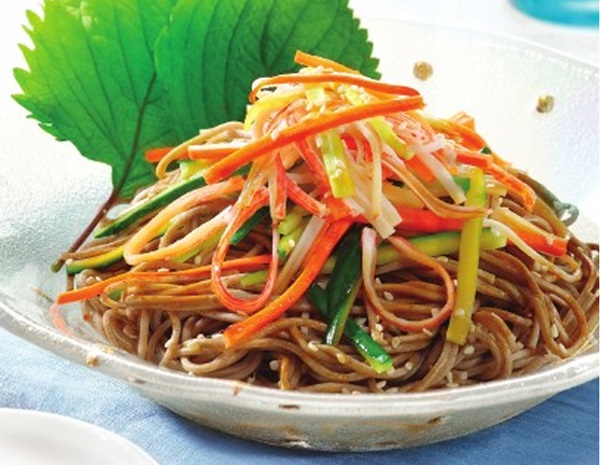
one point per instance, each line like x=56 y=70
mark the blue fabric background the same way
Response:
x=561 y=431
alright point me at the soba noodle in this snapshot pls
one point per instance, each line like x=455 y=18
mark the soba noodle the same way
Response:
x=531 y=308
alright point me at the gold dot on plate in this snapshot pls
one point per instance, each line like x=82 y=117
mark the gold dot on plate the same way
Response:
x=545 y=104
x=422 y=70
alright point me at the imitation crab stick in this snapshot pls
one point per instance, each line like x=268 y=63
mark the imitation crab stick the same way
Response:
x=240 y=216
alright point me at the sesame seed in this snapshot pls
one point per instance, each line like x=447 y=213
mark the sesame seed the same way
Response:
x=554 y=331
x=396 y=342
x=388 y=296
x=312 y=345
x=379 y=327
x=92 y=360
x=469 y=350
x=274 y=365
x=460 y=312
x=409 y=365
x=381 y=384
x=341 y=358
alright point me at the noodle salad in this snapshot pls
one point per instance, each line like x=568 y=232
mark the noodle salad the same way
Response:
x=340 y=239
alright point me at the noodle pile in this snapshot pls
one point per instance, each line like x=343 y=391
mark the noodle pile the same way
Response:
x=170 y=296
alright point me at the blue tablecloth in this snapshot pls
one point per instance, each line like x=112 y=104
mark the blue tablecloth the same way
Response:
x=561 y=431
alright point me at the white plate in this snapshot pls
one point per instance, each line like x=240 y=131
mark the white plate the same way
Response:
x=496 y=79
x=29 y=437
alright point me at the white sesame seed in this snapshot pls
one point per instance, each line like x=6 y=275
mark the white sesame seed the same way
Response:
x=409 y=365
x=395 y=342
x=341 y=358
x=379 y=327
x=312 y=345
x=388 y=296
x=274 y=365
x=554 y=331
x=381 y=384
x=460 y=312
x=469 y=350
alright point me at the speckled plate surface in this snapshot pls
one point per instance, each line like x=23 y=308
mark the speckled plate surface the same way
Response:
x=499 y=80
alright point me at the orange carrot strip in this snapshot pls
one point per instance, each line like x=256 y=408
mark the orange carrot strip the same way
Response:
x=470 y=157
x=469 y=138
x=523 y=190
x=342 y=78
x=416 y=165
x=310 y=127
x=156 y=154
x=546 y=243
x=243 y=331
x=415 y=219
x=314 y=61
x=87 y=292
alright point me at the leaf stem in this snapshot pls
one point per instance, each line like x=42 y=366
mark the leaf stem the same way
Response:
x=101 y=213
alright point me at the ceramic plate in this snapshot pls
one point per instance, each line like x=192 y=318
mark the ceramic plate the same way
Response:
x=39 y=438
x=45 y=205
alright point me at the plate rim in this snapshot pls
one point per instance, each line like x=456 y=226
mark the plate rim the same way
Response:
x=143 y=375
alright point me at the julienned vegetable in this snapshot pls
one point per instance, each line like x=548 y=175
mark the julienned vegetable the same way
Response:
x=342 y=239
x=372 y=352
x=468 y=263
